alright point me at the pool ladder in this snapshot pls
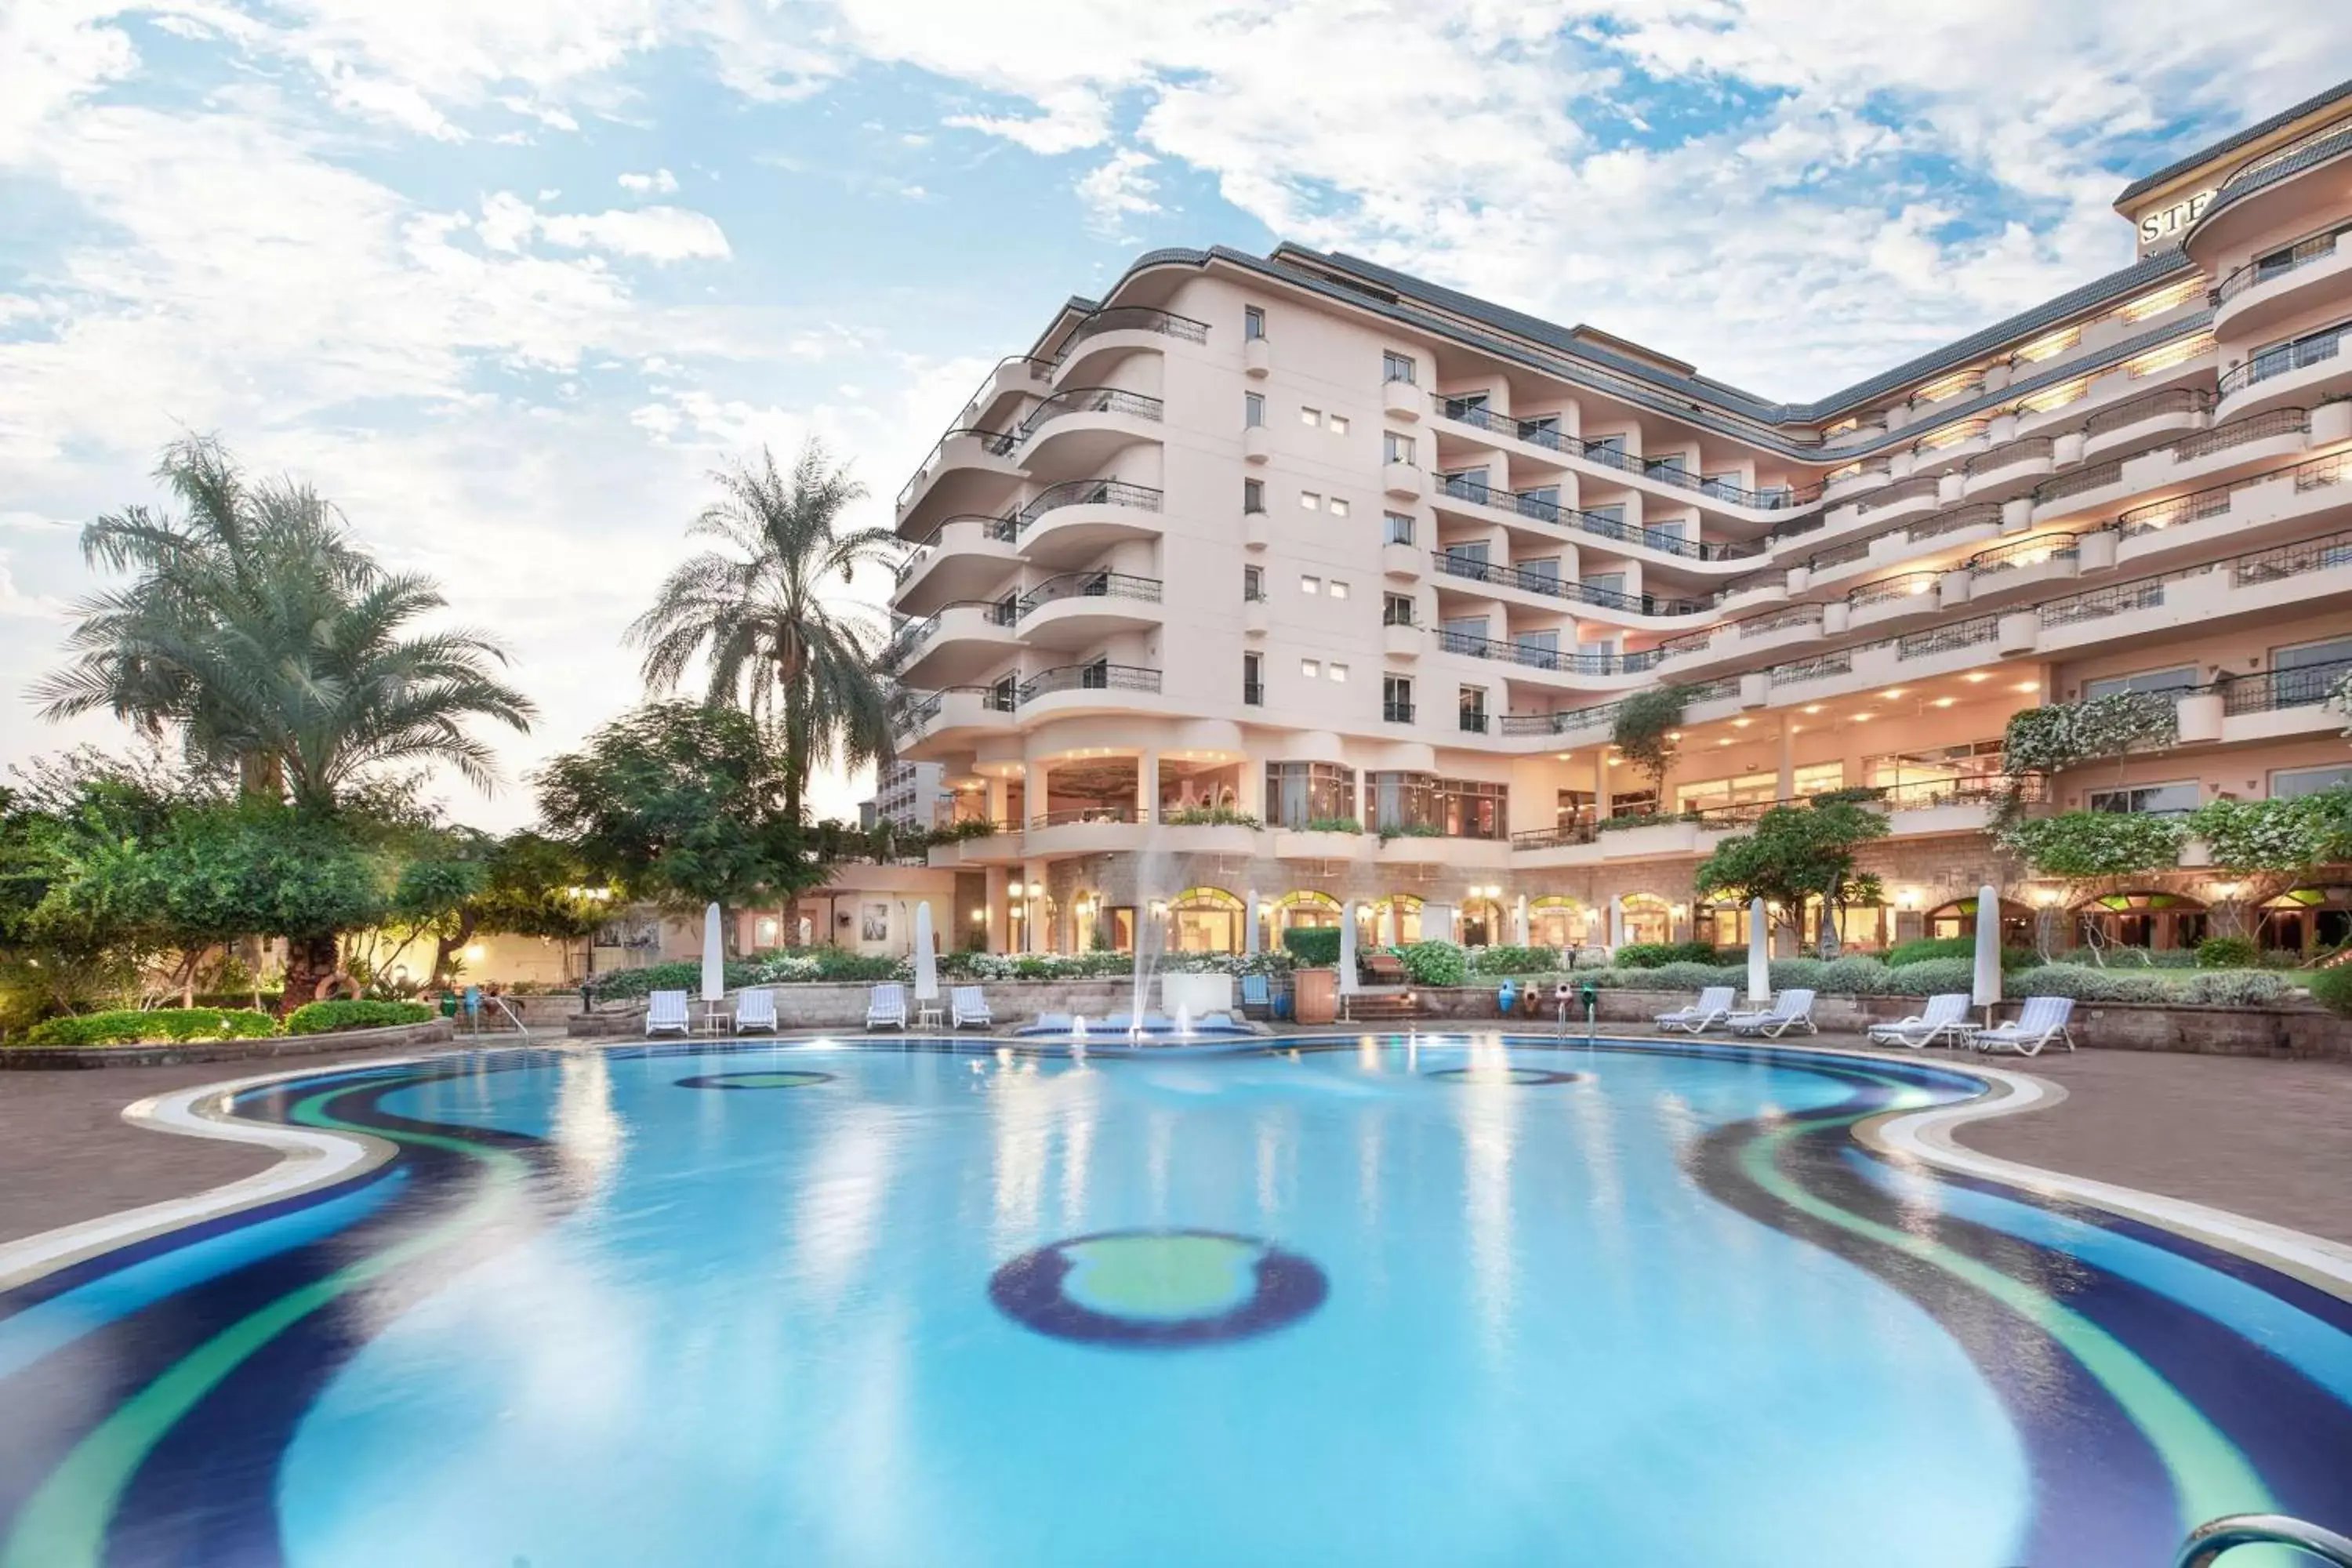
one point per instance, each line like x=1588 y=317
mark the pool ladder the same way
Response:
x=2208 y=1542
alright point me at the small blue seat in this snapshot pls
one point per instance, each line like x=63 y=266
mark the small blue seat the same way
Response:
x=1258 y=997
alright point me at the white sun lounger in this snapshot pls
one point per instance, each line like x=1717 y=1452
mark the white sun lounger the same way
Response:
x=887 y=1006
x=1792 y=1009
x=666 y=1014
x=1714 y=1006
x=1946 y=1018
x=2043 y=1021
x=756 y=1010
x=969 y=1005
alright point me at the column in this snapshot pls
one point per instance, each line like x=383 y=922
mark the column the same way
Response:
x=1600 y=783
x=1147 y=787
x=1788 y=782
x=997 y=908
x=999 y=799
x=1032 y=919
x=1249 y=788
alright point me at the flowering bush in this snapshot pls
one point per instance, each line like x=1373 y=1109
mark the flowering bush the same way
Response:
x=2094 y=843
x=2046 y=740
x=1435 y=963
x=2087 y=984
x=2290 y=835
x=1506 y=960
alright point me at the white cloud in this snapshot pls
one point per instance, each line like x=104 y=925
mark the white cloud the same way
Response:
x=660 y=181
x=1117 y=189
x=656 y=234
x=394 y=103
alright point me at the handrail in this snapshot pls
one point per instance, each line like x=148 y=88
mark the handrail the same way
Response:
x=2257 y=428
x=2031 y=551
x=1451 y=564
x=2271 y=690
x=1090 y=677
x=1469 y=487
x=1068 y=816
x=2310 y=474
x=2147 y=405
x=2310 y=349
x=2299 y=254
x=1992 y=458
x=1000 y=529
x=1095 y=584
x=1086 y=492
x=1092 y=400
x=1905 y=585
x=2208 y=1542
x=1539 y=658
x=1136 y=318
x=1535 y=433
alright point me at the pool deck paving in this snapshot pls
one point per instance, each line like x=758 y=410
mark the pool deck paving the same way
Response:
x=2265 y=1137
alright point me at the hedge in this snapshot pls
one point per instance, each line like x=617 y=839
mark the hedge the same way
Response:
x=160 y=1026
x=1651 y=954
x=1927 y=947
x=2332 y=989
x=1502 y=960
x=1435 y=963
x=2227 y=952
x=334 y=1017
x=1312 y=947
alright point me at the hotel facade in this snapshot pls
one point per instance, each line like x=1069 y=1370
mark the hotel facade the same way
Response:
x=1267 y=587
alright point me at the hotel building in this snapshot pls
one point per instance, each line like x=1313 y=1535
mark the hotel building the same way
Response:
x=1255 y=549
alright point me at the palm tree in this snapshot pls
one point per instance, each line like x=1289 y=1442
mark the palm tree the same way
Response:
x=761 y=615
x=264 y=634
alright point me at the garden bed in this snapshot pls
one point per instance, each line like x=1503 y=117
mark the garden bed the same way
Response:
x=397 y=1037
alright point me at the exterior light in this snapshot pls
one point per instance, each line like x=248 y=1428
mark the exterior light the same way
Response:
x=1974 y=676
x=980 y=917
x=2046 y=897
x=1907 y=898
x=474 y=950
x=1861 y=718
x=1890 y=694
x=2029 y=687
x=1036 y=889
x=1812 y=707
x=2225 y=892
x=1741 y=723
x=1945 y=702
x=1674 y=734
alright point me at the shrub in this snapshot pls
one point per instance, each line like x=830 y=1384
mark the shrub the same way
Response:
x=2227 y=952
x=1333 y=825
x=1927 y=947
x=172 y=1026
x=1501 y=960
x=1209 y=817
x=334 y=1017
x=2237 y=988
x=1650 y=954
x=2332 y=989
x=1685 y=976
x=1858 y=975
x=2086 y=985
x=1787 y=972
x=1435 y=963
x=1929 y=976
x=2096 y=843
x=1312 y=947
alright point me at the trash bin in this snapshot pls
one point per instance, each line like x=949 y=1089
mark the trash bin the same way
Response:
x=1314 y=996
x=448 y=1005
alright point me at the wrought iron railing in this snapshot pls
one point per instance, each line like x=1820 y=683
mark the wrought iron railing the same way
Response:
x=1818 y=668
x=2031 y=551
x=996 y=443
x=1393 y=712
x=2316 y=474
x=1089 y=678
x=2298 y=355
x=1567 y=722
x=1075 y=815
x=2304 y=686
x=2238 y=432
x=1475 y=489
x=1540 y=432
x=1001 y=530
x=2278 y=264
x=1092 y=400
x=2093 y=477
x=1944 y=640
x=1552 y=584
x=1913 y=489
x=2008 y=452
x=2322 y=554
x=1474 y=721
x=1133 y=318
x=1975 y=516
x=1909 y=585
x=2101 y=603
x=1086 y=492
x=1089 y=586
x=1536 y=657
x=2148 y=406
x=1580 y=831
x=1807 y=616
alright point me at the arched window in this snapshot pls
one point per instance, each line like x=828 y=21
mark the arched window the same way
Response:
x=1558 y=921
x=1204 y=920
x=2162 y=921
x=1389 y=922
x=2303 y=918
x=1304 y=910
x=1958 y=918
x=1648 y=918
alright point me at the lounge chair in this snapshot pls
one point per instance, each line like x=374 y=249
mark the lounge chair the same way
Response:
x=887 y=1004
x=1792 y=1009
x=1946 y=1019
x=2043 y=1021
x=1258 y=997
x=756 y=1009
x=666 y=1014
x=1714 y=1006
x=970 y=1005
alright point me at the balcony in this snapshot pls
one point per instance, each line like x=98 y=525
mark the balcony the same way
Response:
x=1072 y=689
x=2301 y=372
x=1892 y=599
x=1914 y=497
x=956 y=715
x=1080 y=518
x=2010 y=468
x=1078 y=609
x=1082 y=428
x=1401 y=400
x=1551 y=585
x=1475 y=490
x=2022 y=565
x=2261 y=294
x=2281 y=690
x=1402 y=481
x=2138 y=422
x=1438 y=849
x=1119 y=330
x=1087 y=829
x=1202 y=835
x=964 y=558
x=1666 y=471
x=1300 y=844
x=2293 y=493
x=951 y=648
x=970 y=470
x=1400 y=639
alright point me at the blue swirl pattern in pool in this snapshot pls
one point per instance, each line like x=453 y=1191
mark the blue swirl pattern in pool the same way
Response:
x=1377 y=1302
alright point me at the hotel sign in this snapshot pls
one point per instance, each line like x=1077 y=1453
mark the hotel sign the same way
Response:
x=2164 y=226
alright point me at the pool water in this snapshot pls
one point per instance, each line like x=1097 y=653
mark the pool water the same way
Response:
x=1365 y=1302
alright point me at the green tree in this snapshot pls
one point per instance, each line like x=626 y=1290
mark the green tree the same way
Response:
x=762 y=613
x=1799 y=853
x=1643 y=733
x=257 y=628
x=683 y=805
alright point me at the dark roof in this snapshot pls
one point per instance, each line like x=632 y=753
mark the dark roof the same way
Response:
x=2319 y=151
x=2233 y=143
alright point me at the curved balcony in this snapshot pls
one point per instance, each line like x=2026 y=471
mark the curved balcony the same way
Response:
x=1742 y=639
x=1070 y=690
x=964 y=558
x=2304 y=372
x=2275 y=192
x=968 y=470
x=1740 y=501
x=1602 y=672
x=1299 y=844
x=1892 y=599
x=1854 y=479
x=2021 y=565
x=953 y=646
x=2008 y=470
x=1116 y=330
x=1083 y=830
x=1913 y=497
x=1015 y=377
x=1080 y=608
x=950 y=716
x=2266 y=292
x=1551 y=585
x=1234 y=840
x=2138 y=422
x=1453 y=491
x=1070 y=522
x=1081 y=428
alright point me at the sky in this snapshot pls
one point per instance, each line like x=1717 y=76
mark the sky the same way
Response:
x=507 y=281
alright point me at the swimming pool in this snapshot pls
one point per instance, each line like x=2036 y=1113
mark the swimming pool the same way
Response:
x=1378 y=1301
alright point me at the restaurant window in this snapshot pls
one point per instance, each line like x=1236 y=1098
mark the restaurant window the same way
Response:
x=1299 y=792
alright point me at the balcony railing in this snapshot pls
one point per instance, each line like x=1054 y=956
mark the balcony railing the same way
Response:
x=2314 y=475
x=1927 y=794
x=1556 y=587
x=2030 y=551
x=992 y=611
x=1945 y=639
x=1954 y=521
x=2261 y=428
x=1086 y=492
x=917 y=709
x=1536 y=657
x=1253 y=693
x=1818 y=668
x=1577 y=832
x=1089 y=678
x=2304 y=686
x=1469 y=487
x=2285 y=561
x=2095 y=476
x=2302 y=254
x=1071 y=815
x=1133 y=318
x=996 y=443
x=2297 y=355
x=1539 y=433
x=999 y=529
x=1807 y=616
x=1896 y=494
x=2148 y=406
x=2010 y=452
x=1910 y=585
x=1088 y=585
x=1474 y=721
x=1093 y=399
x=2101 y=603
x=1568 y=721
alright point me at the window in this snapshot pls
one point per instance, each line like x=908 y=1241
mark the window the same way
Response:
x=1543 y=430
x=1339 y=507
x=1718 y=795
x=1299 y=792
x=1254 y=679
x=1336 y=423
x=1338 y=589
x=1540 y=648
x=1253 y=324
x=1571 y=806
x=2175 y=679
x=1397 y=367
x=1253 y=409
x=1606 y=582
x=1310 y=417
x=1456 y=808
x=1473 y=708
x=1396 y=698
x=1818 y=779
x=2336 y=650
x=1339 y=672
x=1252 y=583
x=1253 y=495
x=1310 y=584
x=1311 y=500
x=1396 y=609
x=1396 y=448
x=1470 y=407
x=1399 y=528
x=1310 y=668
x=2155 y=800
x=2292 y=783
x=1469 y=551
x=1615 y=444
x=1666 y=535
x=1613 y=512
x=1544 y=569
